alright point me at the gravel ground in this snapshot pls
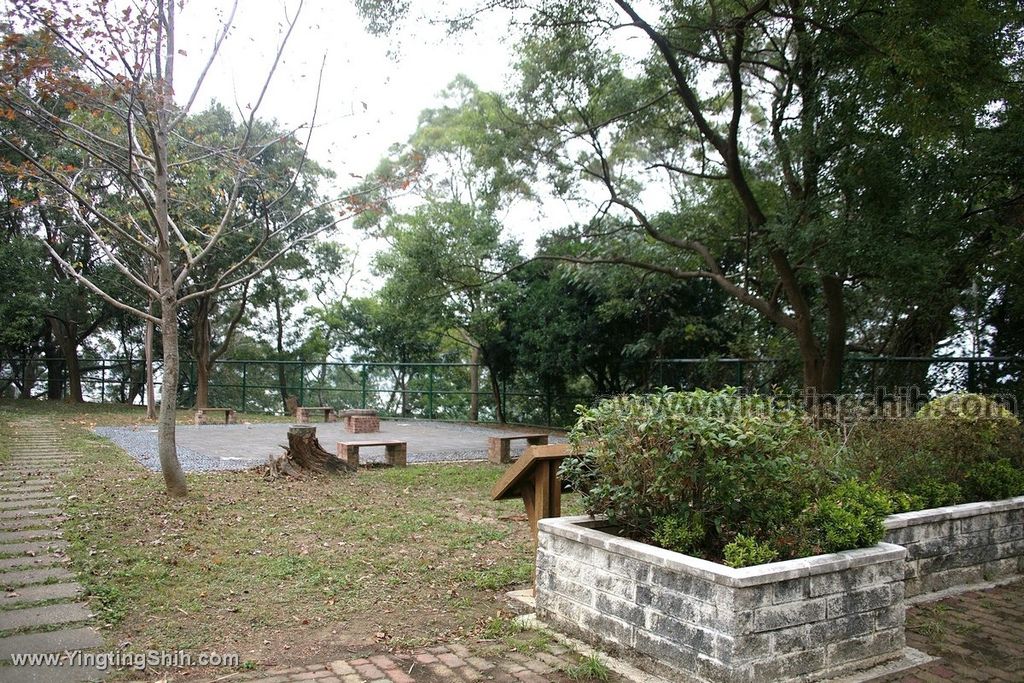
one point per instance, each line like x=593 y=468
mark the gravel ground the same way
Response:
x=237 y=447
x=141 y=444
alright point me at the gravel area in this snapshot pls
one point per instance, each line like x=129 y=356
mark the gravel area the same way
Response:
x=235 y=447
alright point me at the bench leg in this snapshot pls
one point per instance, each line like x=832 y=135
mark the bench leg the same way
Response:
x=200 y=417
x=231 y=417
x=349 y=454
x=394 y=455
x=499 y=450
x=330 y=416
x=302 y=416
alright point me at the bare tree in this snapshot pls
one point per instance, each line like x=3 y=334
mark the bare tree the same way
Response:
x=114 y=108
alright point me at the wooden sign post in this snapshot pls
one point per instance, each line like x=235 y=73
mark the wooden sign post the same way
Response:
x=534 y=478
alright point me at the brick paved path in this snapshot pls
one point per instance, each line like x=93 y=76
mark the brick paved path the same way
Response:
x=41 y=606
x=978 y=635
x=441 y=663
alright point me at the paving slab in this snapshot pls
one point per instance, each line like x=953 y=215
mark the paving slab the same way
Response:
x=29 y=504
x=23 y=513
x=12 y=496
x=27 y=561
x=49 y=674
x=23 y=577
x=47 y=615
x=29 y=522
x=24 y=595
x=50 y=641
x=32 y=548
x=27 y=535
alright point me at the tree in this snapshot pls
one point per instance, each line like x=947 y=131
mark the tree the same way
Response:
x=751 y=144
x=120 y=93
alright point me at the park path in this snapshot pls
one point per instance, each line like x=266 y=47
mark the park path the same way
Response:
x=42 y=609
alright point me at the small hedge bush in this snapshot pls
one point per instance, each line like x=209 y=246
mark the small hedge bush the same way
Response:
x=945 y=455
x=699 y=472
x=748 y=479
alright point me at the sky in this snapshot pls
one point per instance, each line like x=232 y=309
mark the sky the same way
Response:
x=373 y=88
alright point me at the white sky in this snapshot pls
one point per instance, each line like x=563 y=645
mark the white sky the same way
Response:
x=373 y=87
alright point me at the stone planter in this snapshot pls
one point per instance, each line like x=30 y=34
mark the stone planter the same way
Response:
x=809 y=618
x=959 y=546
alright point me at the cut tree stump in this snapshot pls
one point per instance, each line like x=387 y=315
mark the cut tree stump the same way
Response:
x=305 y=455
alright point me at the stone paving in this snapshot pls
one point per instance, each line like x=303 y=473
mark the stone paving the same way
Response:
x=41 y=606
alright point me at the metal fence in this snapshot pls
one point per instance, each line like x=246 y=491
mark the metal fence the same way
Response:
x=441 y=391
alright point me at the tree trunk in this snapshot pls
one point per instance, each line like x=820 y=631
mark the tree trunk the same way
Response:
x=174 y=477
x=201 y=352
x=150 y=387
x=54 y=368
x=66 y=335
x=305 y=454
x=499 y=410
x=474 y=384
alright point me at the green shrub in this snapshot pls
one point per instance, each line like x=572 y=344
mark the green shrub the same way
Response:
x=745 y=551
x=994 y=481
x=974 y=408
x=718 y=463
x=851 y=516
x=681 y=533
x=929 y=456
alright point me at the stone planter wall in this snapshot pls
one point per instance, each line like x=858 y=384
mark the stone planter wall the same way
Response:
x=813 y=617
x=960 y=545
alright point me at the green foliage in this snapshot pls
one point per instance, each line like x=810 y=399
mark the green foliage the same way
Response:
x=851 y=516
x=697 y=464
x=681 y=533
x=588 y=669
x=929 y=457
x=994 y=481
x=745 y=551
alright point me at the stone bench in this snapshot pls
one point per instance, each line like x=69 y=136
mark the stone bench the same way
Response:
x=302 y=413
x=360 y=420
x=230 y=416
x=394 y=451
x=499 y=449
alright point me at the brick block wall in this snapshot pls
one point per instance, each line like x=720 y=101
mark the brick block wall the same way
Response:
x=960 y=545
x=362 y=424
x=811 y=617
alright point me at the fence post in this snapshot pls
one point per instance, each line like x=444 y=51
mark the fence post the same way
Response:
x=972 y=377
x=739 y=373
x=245 y=378
x=547 y=406
x=430 y=394
x=302 y=382
x=192 y=381
x=103 y=381
x=363 y=399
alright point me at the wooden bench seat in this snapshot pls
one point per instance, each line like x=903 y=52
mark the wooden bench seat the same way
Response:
x=499 y=450
x=394 y=451
x=230 y=416
x=302 y=413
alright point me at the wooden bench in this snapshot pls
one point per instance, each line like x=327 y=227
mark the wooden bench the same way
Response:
x=394 y=451
x=302 y=413
x=230 y=416
x=499 y=449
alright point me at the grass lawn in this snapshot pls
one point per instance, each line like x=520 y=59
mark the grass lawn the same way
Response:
x=288 y=571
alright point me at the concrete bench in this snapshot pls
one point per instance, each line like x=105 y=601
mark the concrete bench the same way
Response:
x=302 y=413
x=499 y=450
x=394 y=451
x=230 y=416
x=360 y=420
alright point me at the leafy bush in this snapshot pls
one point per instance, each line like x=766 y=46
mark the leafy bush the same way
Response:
x=929 y=456
x=994 y=481
x=692 y=470
x=851 y=516
x=745 y=551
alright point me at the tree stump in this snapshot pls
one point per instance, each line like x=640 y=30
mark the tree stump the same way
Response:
x=305 y=455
